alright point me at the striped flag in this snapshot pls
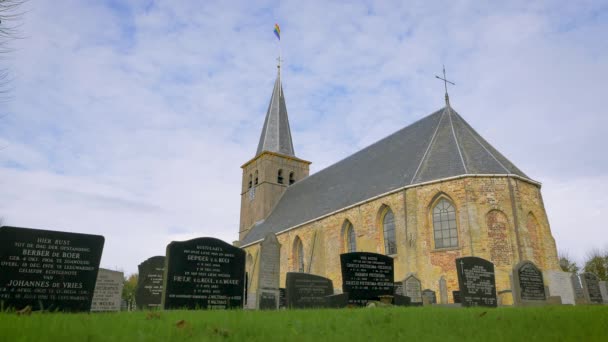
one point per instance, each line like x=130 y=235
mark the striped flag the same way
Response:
x=277 y=31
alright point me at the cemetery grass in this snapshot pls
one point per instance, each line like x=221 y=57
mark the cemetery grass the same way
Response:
x=557 y=323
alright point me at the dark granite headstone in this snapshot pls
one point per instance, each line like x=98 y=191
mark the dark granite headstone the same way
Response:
x=282 y=298
x=48 y=270
x=430 y=296
x=305 y=290
x=366 y=276
x=456 y=296
x=591 y=288
x=477 y=282
x=400 y=300
x=149 y=292
x=203 y=273
x=337 y=301
x=268 y=301
x=528 y=283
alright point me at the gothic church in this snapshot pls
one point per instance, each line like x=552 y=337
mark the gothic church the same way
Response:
x=424 y=195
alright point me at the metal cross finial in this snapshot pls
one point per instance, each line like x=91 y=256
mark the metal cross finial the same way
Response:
x=445 y=84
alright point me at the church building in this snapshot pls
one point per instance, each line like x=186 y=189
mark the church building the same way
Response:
x=425 y=195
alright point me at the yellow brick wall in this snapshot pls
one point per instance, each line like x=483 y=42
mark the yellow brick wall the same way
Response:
x=487 y=211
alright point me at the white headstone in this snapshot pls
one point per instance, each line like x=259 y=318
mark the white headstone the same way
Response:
x=108 y=291
x=604 y=291
x=560 y=284
x=443 y=291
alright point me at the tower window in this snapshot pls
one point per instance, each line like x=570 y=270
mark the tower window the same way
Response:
x=280 y=177
x=250 y=180
x=256 y=177
x=444 y=225
x=291 y=178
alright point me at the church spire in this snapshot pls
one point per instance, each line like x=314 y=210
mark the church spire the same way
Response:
x=276 y=134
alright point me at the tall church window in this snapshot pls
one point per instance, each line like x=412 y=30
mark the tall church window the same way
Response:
x=444 y=224
x=388 y=225
x=256 y=177
x=349 y=237
x=280 y=176
x=250 y=180
x=298 y=255
x=291 y=178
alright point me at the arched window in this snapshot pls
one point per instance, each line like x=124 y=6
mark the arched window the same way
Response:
x=256 y=177
x=280 y=176
x=388 y=225
x=250 y=180
x=349 y=237
x=291 y=178
x=298 y=255
x=444 y=224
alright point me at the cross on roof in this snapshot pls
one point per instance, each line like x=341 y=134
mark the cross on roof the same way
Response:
x=445 y=84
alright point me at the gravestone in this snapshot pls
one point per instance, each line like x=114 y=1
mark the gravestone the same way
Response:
x=108 y=291
x=604 y=291
x=305 y=290
x=429 y=296
x=456 y=296
x=579 y=296
x=398 y=286
x=282 y=298
x=48 y=270
x=413 y=288
x=149 y=292
x=337 y=301
x=528 y=284
x=269 y=273
x=443 y=291
x=400 y=300
x=591 y=288
x=476 y=281
x=203 y=273
x=560 y=284
x=366 y=276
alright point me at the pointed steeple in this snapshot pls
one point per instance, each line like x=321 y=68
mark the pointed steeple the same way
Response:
x=276 y=134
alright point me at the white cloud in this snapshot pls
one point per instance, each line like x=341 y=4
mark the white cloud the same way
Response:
x=131 y=119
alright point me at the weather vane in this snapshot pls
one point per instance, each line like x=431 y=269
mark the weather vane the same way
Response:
x=445 y=84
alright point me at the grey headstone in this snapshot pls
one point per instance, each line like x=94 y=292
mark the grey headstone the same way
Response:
x=269 y=272
x=399 y=288
x=604 y=291
x=413 y=288
x=429 y=296
x=528 y=284
x=579 y=296
x=560 y=284
x=443 y=291
x=108 y=291
x=591 y=288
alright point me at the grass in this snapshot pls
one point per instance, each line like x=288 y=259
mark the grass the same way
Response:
x=555 y=323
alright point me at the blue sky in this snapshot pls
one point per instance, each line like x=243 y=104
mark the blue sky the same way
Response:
x=131 y=118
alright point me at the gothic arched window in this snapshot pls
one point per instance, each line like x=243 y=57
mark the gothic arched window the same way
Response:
x=444 y=224
x=349 y=237
x=298 y=255
x=280 y=176
x=388 y=225
x=291 y=178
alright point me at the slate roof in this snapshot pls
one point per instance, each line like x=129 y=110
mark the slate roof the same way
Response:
x=438 y=146
x=276 y=135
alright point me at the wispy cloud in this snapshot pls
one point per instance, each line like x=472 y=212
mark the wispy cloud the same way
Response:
x=131 y=118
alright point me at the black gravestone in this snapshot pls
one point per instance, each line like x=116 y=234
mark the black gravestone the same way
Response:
x=282 y=298
x=400 y=300
x=337 y=301
x=366 y=276
x=430 y=296
x=476 y=281
x=456 y=295
x=149 y=292
x=528 y=283
x=204 y=273
x=305 y=290
x=591 y=288
x=47 y=269
x=268 y=301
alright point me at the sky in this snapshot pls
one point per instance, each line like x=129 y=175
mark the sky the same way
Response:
x=131 y=119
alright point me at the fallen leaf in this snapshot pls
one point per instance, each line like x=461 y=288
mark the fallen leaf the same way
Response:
x=483 y=314
x=181 y=324
x=153 y=315
x=221 y=332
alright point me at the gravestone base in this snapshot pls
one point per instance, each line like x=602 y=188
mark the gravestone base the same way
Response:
x=400 y=300
x=268 y=299
x=453 y=306
x=337 y=301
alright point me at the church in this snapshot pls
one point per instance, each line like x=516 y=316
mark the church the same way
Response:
x=425 y=195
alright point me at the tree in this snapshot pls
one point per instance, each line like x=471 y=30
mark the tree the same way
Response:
x=566 y=264
x=129 y=289
x=597 y=263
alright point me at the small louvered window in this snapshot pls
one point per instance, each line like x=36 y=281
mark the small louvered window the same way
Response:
x=291 y=178
x=280 y=176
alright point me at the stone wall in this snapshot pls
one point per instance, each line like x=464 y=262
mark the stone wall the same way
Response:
x=498 y=218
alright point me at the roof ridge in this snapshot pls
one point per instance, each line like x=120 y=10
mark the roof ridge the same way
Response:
x=428 y=147
x=456 y=140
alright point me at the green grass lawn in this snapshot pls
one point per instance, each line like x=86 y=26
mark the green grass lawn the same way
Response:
x=556 y=323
